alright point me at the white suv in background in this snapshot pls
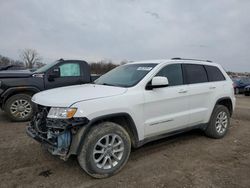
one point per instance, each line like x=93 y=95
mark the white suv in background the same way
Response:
x=129 y=106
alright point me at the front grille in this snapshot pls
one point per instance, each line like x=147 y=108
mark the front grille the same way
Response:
x=39 y=120
x=44 y=109
x=52 y=132
x=55 y=134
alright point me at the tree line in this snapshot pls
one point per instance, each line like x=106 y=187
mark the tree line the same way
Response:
x=30 y=59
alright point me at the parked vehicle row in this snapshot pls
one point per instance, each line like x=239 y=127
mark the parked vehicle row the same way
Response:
x=17 y=87
x=129 y=106
x=241 y=85
x=247 y=90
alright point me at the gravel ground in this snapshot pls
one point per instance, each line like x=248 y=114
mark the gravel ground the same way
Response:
x=186 y=160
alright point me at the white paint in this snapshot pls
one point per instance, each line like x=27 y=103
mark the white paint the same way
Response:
x=154 y=111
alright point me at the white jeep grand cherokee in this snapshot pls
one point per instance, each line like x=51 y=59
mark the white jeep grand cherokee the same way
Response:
x=130 y=106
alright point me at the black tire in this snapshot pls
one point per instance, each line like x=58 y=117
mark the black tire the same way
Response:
x=97 y=133
x=19 y=116
x=236 y=91
x=247 y=94
x=211 y=130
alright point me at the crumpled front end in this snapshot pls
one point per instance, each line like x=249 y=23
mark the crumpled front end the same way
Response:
x=55 y=134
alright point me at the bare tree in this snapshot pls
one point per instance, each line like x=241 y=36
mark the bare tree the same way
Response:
x=123 y=62
x=102 y=66
x=30 y=57
x=6 y=61
x=40 y=64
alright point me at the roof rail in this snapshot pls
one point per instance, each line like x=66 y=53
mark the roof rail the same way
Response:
x=178 y=58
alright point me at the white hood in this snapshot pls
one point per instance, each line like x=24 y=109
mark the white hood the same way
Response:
x=66 y=96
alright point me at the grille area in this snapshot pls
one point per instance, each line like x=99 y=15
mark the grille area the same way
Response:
x=39 y=120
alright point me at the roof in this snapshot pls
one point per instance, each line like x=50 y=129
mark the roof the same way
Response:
x=174 y=60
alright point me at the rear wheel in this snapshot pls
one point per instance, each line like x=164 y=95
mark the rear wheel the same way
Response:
x=105 y=150
x=19 y=107
x=219 y=122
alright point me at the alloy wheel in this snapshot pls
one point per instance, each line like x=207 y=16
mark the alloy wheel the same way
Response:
x=20 y=108
x=108 y=151
x=221 y=122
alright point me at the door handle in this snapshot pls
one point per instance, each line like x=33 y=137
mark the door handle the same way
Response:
x=212 y=87
x=183 y=91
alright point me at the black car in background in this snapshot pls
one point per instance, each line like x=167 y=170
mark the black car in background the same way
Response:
x=247 y=90
x=18 y=86
x=240 y=84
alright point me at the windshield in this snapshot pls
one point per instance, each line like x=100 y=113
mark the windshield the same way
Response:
x=241 y=80
x=46 y=67
x=245 y=80
x=125 y=75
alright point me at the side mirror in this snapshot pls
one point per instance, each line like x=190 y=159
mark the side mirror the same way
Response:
x=55 y=73
x=158 y=82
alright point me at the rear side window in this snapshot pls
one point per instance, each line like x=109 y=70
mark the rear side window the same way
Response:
x=195 y=73
x=214 y=74
x=173 y=73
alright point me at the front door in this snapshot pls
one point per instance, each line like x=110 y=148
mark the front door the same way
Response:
x=70 y=74
x=166 y=109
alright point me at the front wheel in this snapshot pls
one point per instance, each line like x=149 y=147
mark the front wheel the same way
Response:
x=19 y=107
x=219 y=122
x=105 y=150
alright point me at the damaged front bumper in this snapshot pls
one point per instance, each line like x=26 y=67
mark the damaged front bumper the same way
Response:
x=60 y=137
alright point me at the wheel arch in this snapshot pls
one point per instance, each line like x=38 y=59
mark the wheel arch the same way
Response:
x=227 y=102
x=123 y=119
x=18 y=90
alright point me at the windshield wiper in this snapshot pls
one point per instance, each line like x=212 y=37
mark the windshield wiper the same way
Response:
x=106 y=84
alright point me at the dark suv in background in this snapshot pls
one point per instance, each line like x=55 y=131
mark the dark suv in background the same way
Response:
x=17 y=87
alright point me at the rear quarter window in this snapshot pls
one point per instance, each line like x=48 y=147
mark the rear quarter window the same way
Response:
x=214 y=73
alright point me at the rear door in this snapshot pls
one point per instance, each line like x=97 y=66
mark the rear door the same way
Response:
x=217 y=86
x=200 y=92
x=166 y=109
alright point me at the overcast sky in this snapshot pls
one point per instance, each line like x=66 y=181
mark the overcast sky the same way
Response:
x=218 y=30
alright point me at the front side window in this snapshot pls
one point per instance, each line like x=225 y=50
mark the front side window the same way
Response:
x=126 y=75
x=69 y=69
x=173 y=73
x=195 y=73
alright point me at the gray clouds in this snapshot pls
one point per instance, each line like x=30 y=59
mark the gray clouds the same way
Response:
x=129 y=29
